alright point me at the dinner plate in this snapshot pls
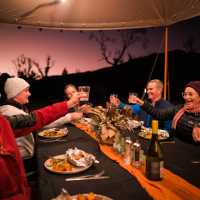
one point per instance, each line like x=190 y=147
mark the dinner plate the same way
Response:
x=53 y=133
x=62 y=166
x=147 y=134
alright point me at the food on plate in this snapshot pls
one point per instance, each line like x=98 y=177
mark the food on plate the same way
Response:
x=54 y=132
x=59 y=164
x=79 y=157
x=147 y=133
x=72 y=162
x=88 y=196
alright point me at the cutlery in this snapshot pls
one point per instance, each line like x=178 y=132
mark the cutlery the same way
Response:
x=52 y=140
x=86 y=178
x=64 y=191
x=63 y=195
x=168 y=142
x=195 y=161
x=91 y=175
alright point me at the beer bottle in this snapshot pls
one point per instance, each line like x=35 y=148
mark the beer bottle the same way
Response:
x=154 y=158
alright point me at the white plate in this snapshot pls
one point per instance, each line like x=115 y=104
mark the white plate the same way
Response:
x=74 y=169
x=53 y=133
x=147 y=134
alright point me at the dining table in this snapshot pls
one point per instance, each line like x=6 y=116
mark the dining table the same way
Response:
x=181 y=159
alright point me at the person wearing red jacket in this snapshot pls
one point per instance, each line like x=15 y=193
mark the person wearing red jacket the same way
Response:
x=13 y=182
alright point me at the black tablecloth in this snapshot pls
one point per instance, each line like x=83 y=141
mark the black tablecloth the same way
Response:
x=121 y=185
x=178 y=159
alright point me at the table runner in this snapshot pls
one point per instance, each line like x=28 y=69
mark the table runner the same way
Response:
x=171 y=187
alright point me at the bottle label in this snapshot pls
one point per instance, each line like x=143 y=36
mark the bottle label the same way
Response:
x=161 y=169
x=154 y=169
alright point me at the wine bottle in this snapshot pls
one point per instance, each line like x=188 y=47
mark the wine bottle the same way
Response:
x=154 y=158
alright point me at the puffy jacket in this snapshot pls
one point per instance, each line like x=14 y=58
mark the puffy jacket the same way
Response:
x=13 y=183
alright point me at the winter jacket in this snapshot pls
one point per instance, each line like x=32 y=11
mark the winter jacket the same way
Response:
x=13 y=183
x=25 y=143
x=147 y=118
x=185 y=124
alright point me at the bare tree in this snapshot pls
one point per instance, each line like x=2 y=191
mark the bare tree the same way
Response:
x=64 y=72
x=117 y=48
x=49 y=65
x=29 y=68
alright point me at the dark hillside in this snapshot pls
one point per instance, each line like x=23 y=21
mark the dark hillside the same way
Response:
x=130 y=76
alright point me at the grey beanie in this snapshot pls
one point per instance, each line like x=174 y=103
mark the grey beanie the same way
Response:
x=13 y=86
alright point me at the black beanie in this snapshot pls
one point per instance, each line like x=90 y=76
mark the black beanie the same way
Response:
x=195 y=85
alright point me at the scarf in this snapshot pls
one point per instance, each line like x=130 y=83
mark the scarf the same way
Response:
x=179 y=114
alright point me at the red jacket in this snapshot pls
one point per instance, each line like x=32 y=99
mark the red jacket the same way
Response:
x=13 y=183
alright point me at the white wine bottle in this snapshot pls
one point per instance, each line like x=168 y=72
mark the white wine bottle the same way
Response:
x=154 y=158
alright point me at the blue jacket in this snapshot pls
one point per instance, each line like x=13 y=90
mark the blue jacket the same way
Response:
x=147 y=118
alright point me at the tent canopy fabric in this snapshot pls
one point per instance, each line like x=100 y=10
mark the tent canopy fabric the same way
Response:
x=97 y=14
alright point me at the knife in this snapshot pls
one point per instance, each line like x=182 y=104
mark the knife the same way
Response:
x=86 y=178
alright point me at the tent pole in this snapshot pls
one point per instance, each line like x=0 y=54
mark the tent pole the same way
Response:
x=165 y=62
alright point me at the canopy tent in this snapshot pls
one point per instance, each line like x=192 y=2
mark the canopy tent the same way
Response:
x=99 y=14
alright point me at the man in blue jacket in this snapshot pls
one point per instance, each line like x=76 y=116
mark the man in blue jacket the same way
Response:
x=154 y=92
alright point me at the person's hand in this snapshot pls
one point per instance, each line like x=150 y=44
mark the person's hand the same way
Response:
x=85 y=108
x=76 y=116
x=135 y=100
x=74 y=100
x=114 y=101
x=196 y=134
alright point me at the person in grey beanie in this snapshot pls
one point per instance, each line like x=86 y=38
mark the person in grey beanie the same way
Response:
x=17 y=94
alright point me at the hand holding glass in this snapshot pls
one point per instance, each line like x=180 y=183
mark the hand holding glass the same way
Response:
x=132 y=97
x=114 y=100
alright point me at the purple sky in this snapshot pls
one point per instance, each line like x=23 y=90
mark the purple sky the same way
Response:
x=74 y=50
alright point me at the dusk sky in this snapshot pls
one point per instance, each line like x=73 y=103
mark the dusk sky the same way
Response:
x=74 y=50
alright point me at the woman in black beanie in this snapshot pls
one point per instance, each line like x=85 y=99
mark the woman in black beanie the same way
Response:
x=186 y=117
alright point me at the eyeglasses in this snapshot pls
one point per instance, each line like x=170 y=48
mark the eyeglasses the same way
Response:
x=189 y=94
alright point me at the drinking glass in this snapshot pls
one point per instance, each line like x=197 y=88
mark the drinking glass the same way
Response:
x=85 y=93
